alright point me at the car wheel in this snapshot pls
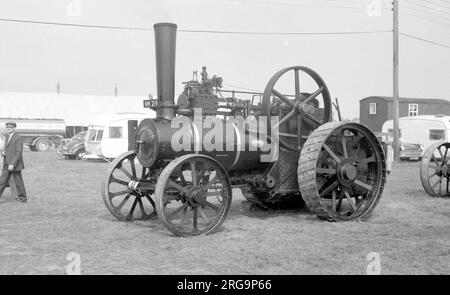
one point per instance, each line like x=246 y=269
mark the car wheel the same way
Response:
x=42 y=144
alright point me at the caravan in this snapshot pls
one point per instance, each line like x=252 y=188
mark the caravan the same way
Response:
x=107 y=136
x=422 y=131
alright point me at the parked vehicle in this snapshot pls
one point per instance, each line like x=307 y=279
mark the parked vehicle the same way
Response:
x=107 y=136
x=419 y=133
x=74 y=147
x=39 y=134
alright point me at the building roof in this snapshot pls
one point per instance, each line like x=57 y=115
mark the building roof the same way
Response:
x=406 y=99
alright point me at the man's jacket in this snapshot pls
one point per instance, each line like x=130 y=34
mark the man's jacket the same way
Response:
x=14 y=153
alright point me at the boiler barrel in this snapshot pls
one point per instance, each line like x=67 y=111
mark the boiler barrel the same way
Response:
x=232 y=147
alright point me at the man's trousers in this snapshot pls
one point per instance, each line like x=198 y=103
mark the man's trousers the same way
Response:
x=17 y=175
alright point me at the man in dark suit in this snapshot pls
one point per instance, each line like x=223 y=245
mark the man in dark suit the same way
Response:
x=13 y=161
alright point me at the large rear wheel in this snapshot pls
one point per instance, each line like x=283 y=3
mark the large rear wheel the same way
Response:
x=341 y=171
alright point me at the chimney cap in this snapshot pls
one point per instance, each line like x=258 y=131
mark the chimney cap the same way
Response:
x=165 y=25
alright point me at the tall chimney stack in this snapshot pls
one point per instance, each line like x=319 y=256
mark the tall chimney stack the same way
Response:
x=165 y=40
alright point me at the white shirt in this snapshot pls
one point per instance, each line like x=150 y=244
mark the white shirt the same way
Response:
x=9 y=138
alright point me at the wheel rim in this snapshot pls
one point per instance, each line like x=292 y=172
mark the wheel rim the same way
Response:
x=342 y=171
x=193 y=195
x=435 y=170
x=43 y=145
x=120 y=197
x=298 y=116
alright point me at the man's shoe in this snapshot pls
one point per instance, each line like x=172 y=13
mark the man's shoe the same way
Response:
x=23 y=200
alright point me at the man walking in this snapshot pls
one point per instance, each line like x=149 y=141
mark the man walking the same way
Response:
x=13 y=161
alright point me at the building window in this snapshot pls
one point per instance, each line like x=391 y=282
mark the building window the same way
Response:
x=436 y=134
x=372 y=108
x=413 y=109
x=115 y=132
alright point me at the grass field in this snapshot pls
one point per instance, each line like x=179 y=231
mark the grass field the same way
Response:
x=65 y=213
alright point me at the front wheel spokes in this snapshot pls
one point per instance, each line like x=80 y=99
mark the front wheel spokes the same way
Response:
x=139 y=210
x=119 y=207
x=124 y=202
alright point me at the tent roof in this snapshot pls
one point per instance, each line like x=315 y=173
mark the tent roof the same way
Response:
x=75 y=109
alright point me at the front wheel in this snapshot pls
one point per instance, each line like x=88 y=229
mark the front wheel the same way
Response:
x=193 y=195
x=122 y=199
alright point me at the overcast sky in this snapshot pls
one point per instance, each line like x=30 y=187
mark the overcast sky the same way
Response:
x=33 y=57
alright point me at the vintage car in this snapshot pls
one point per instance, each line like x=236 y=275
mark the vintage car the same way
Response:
x=74 y=147
x=411 y=151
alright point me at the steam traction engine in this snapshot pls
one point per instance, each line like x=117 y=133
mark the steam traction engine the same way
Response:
x=293 y=152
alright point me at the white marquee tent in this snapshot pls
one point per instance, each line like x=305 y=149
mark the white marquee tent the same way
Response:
x=75 y=109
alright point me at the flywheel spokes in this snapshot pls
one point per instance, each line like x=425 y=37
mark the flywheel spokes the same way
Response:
x=299 y=111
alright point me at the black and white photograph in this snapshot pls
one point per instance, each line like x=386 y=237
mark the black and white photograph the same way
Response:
x=206 y=139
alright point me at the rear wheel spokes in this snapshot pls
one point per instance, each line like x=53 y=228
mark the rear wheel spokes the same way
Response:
x=350 y=201
x=329 y=189
x=370 y=159
x=332 y=153
x=344 y=146
x=364 y=185
x=348 y=180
